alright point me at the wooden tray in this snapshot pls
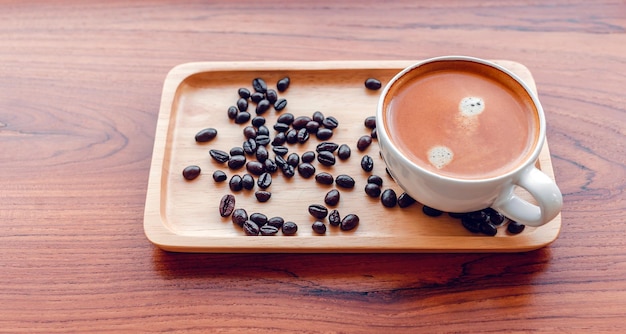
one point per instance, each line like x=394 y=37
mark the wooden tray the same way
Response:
x=183 y=215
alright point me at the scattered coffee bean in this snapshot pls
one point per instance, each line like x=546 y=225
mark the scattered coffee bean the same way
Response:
x=318 y=117
x=303 y=135
x=262 y=140
x=363 y=143
x=471 y=225
x=326 y=146
x=276 y=222
x=373 y=84
x=456 y=215
x=514 y=227
x=268 y=230
x=477 y=216
x=488 y=229
x=289 y=228
x=495 y=217
x=237 y=150
x=312 y=126
x=259 y=85
x=191 y=172
x=239 y=217
x=332 y=197
x=205 y=135
x=291 y=136
x=279 y=139
x=349 y=222
x=372 y=190
x=344 y=181
x=324 y=178
x=263 y=131
x=293 y=159
x=219 y=176
x=242 y=117
x=283 y=84
x=318 y=211
x=280 y=104
x=326 y=158
x=431 y=212
x=374 y=133
x=244 y=93
x=367 y=163
x=280 y=150
x=264 y=181
x=270 y=166
x=405 y=200
x=344 y=152
x=281 y=127
x=375 y=179
x=249 y=146
x=324 y=134
x=330 y=122
x=262 y=196
x=242 y=104
x=261 y=154
x=236 y=161
x=249 y=132
x=370 y=122
x=250 y=228
x=262 y=106
x=219 y=156
x=333 y=218
x=306 y=170
x=271 y=96
x=232 y=112
x=256 y=97
x=300 y=122
x=286 y=118
x=235 y=183
x=258 y=121
x=319 y=227
x=258 y=218
x=308 y=156
x=227 y=205
x=280 y=161
x=247 y=182
x=388 y=198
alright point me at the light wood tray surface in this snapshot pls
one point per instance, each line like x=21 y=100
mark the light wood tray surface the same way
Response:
x=183 y=215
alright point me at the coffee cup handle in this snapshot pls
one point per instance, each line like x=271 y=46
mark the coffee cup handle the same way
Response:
x=543 y=189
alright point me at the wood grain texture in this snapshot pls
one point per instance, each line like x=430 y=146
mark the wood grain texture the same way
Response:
x=80 y=86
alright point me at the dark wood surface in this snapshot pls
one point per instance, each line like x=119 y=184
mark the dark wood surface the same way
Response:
x=80 y=86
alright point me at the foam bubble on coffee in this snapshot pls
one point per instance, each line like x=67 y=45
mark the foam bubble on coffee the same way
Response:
x=471 y=106
x=439 y=156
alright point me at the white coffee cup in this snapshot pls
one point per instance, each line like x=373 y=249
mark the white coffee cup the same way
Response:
x=435 y=174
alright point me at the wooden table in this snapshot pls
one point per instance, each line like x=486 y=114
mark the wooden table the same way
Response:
x=80 y=87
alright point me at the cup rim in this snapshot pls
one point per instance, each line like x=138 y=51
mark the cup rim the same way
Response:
x=382 y=131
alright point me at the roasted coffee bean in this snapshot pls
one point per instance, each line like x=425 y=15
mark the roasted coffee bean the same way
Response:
x=431 y=212
x=344 y=152
x=219 y=156
x=372 y=190
x=264 y=181
x=289 y=228
x=247 y=181
x=249 y=146
x=227 y=205
x=367 y=163
x=280 y=150
x=280 y=161
x=478 y=216
x=333 y=218
x=370 y=122
x=244 y=93
x=456 y=215
x=250 y=228
x=330 y=122
x=326 y=146
x=258 y=218
x=263 y=131
x=258 y=121
x=191 y=172
x=494 y=216
x=293 y=159
x=261 y=154
x=239 y=217
x=388 y=198
x=306 y=170
x=236 y=161
x=344 y=181
x=255 y=167
x=373 y=84
x=262 y=196
x=375 y=179
x=262 y=140
x=349 y=222
x=332 y=197
x=312 y=126
x=270 y=166
x=326 y=158
x=268 y=230
x=286 y=118
x=242 y=104
x=283 y=84
x=249 y=132
x=235 y=183
x=374 y=133
x=318 y=211
x=319 y=227
x=271 y=96
x=405 y=200
x=514 y=227
x=300 y=122
x=280 y=104
x=232 y=112
x=303 y=135
x=242 y=117
x=259 y=85
x=324 y=178
x=470 y=224
x=281 y=127
x=318 y=117
x=324 y=134
x=308 y=156
x=236 y=151
x=279 y=139
x=256 y=97
x=276 y=222
x=363 y=142
x=291 y=136
x=488 y=229
x=262 y=106
x=205 y=135
x=219 y=176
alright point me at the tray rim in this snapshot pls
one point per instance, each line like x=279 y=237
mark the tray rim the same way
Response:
x=164 y=238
